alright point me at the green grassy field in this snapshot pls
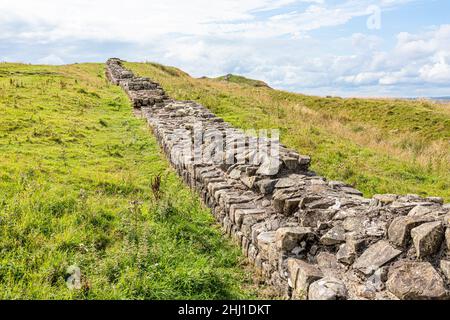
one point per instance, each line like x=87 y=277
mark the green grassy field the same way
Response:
x=377 y=145
x=78 y=172
x=76 y=177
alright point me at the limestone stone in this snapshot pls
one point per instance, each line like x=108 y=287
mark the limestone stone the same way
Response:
x=287 y=238
x=302 y=274
x=427 y=238
x=376 y=282
x=415 y=281
x=334 y=236
x=346 y=253
x=265 y=239
x=240 y=214
x=313 y=218
x=445 y=267
x=291 y=206
x=266 y=186
x=385 y=198
x=327 y=289
x=375 y=256
x=269 y=167
x=420 y=211
x=447 y=238
x=326 y=260
x=400 y=229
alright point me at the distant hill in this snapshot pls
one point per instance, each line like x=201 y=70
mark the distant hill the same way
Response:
x=243 y=80
x=445 y=99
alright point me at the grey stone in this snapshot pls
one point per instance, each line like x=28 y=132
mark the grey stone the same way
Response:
x=427 y=238
x=346 y=253
x=285 y=183
x=385 y=198
x=351 y=190
x=291 y=206
x=302 y=274
x=313 y=218
x=400 y=229
x=415 y=281
x=288 y=238
x=269 y=167
x=327 y=289
x=445 y=268
x=291 y=163
x=257 y=214
x=376 y=282
x=376 y=256
x=266 y=186
x=447 y=238
x=334 y=236
x=326 y=260
x=249 y=182
x=420 y=211
x=265 y=239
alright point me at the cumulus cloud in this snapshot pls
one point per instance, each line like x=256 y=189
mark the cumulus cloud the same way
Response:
x=272 y=40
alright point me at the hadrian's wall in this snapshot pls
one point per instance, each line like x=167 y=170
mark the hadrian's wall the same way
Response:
x=310 y=238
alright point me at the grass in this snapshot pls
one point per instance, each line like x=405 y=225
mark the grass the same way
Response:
x=242 y=80
x=377 y=145
x=78 y=186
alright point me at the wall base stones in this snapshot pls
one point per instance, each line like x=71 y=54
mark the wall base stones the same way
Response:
x=309 y=237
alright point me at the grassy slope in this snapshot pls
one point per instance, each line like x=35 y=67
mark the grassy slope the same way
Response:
x=75 y=188
x=242 y=80
x=381 y=146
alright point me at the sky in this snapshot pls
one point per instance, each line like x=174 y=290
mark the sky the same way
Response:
x=397 y=48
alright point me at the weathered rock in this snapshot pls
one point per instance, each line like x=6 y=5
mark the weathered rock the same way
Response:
x=420 y=211
x=334 y=236
x=376 y=282
x=445 y=267
x=427 y=238
x=327 y=289
x=266 y=186
x=269 y=167
x=302 y=274
x=414 y=281
x=265 y=239
x=385 y=198
x=346 y=253
x=313 y=218
x=288 y=238
x=376 y=256
x=447 y=238
x=400 y=229
x=291 y=206
x=326 y=260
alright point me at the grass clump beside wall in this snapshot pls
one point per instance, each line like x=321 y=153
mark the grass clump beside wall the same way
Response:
x=377 y=145
x=78 y=188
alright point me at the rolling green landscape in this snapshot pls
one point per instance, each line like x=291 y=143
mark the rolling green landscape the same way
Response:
x=377 y=145
x=79 y=187
x=83 y=182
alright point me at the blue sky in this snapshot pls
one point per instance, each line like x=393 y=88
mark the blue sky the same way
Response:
x=336 y=47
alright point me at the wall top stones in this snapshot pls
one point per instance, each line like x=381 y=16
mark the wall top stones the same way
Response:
x=310 y=238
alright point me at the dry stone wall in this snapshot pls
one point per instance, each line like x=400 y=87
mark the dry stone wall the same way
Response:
x=310 y=238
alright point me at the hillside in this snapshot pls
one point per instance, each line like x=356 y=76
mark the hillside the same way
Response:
x=83 y=183
x=377 y=145
x=232 y=78
x=79 y=187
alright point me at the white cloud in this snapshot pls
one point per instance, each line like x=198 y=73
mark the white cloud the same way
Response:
x=51 y=59
x=267 y=39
